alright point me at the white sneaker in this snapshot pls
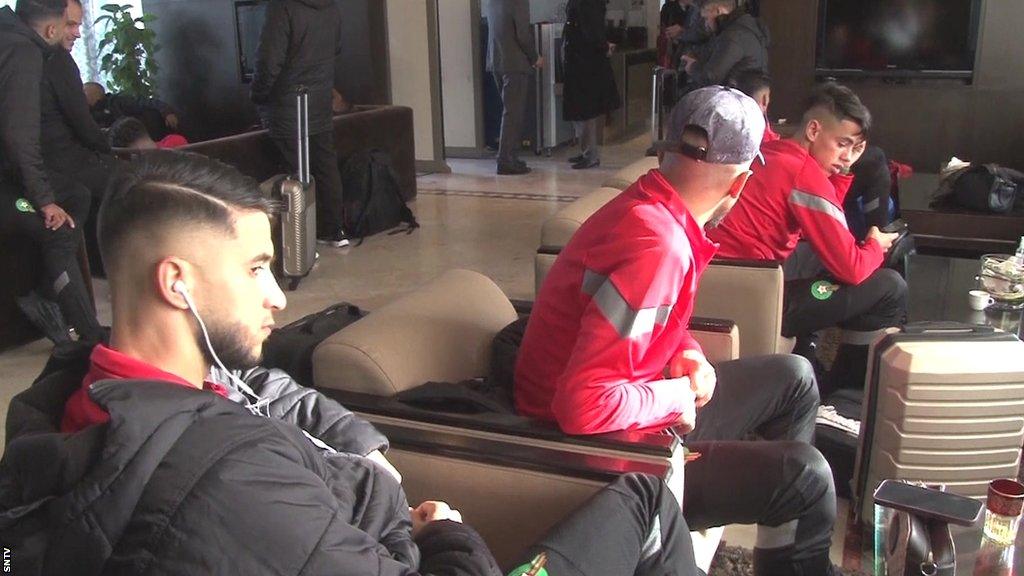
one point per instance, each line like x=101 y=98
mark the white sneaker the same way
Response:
x=827 y=416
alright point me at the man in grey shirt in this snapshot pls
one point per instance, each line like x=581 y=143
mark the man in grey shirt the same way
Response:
x=511 y=56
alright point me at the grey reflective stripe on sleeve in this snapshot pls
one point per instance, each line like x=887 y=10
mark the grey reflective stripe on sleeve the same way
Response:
x=769 y=537
x=873 y=205
x=61 y=282
x=629 y=323
x=817 y=203
x=653 y=543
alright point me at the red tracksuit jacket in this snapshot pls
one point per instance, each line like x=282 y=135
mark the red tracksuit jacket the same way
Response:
x=790 y=196
x=612 y=313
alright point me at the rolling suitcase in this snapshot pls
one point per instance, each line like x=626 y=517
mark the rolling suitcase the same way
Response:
x=295 y=234
x=943 y=404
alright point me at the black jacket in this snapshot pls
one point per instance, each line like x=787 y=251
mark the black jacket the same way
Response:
x=21 y=70
x=182 y=481
x=68 y=133
x=741 y=44
x=589 y=84
x=298 y=45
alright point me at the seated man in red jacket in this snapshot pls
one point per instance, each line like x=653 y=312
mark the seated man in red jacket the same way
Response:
x=607 y=348
x=798 y=192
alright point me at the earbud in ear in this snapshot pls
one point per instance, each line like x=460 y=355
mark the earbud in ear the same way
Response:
x=180 y=288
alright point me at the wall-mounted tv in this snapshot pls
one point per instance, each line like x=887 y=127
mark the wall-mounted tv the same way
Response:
x=898 y=38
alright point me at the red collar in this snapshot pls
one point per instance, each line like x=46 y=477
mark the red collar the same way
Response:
x=109 y=364
x=654 y=185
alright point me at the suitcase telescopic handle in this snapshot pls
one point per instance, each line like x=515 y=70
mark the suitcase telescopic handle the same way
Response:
x=946 y=327
x=302 y=122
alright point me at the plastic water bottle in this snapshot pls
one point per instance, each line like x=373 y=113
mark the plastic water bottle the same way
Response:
x=1018 y=258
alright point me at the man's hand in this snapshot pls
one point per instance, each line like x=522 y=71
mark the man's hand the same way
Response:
x=539 y=63
x=54 y=216
x=693 y=364
x=688 y=419
x=688 y=62
x=884 y=239
x=379 y=458
x=172 y=121
x=431 y=511
x=674 y=31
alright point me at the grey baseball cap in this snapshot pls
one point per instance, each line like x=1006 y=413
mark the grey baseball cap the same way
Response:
x=733 y=121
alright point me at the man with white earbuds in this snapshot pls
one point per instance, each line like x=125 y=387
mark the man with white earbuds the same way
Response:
x=148 y=456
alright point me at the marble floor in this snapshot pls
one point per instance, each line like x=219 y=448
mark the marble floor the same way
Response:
x=470 y=218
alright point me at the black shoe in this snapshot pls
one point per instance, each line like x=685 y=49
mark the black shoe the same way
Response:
x=339 y=239
x=577 y=159
x=45 y=315
x=584 y=164
x=513 y=169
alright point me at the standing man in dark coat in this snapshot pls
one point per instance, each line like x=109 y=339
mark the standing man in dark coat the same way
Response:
x=740 y=43
x=511 y=57
x=40 y=205
x=298 y=46
x=72 y=142
x=589 y=90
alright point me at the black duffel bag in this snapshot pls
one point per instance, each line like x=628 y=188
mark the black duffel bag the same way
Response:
x=985 y=188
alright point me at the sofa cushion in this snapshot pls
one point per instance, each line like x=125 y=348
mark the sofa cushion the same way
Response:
x=559 y=229
x=441 y=332
x=625 y=177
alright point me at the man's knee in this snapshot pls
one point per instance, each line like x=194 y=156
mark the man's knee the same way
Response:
x=893 y=293
x=810 y=472
x=799 y=372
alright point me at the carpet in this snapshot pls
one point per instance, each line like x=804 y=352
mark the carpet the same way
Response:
x=736 y=561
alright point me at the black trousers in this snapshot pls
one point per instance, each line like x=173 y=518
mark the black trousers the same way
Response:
x=632 y=526
x=61 y=276
x=323 y=164
x=876 y=303
x=95 y=172
x=783 y=485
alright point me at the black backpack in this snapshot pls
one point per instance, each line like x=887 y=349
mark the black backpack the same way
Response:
x=372 y=199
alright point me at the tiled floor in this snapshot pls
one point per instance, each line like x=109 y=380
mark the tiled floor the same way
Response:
x=470 y=219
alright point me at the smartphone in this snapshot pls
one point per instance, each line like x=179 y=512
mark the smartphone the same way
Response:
x=897 y=225
x=928 y=503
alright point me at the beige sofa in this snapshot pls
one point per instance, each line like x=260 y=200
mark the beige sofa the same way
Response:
x=443 y=332
x=747 y=292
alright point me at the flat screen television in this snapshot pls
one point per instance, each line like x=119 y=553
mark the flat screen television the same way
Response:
x=898 y=38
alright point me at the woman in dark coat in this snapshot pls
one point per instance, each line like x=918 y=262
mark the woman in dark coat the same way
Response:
x=589 y=90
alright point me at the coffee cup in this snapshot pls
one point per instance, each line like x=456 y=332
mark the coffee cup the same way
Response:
x=979 y=299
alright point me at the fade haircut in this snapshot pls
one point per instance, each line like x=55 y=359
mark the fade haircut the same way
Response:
x=750 y=82
x=841 y=103
x=126 y=131
x=176 y=191
x=33 y=12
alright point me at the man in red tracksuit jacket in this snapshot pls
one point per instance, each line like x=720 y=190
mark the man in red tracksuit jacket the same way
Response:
x=798 y=192
x=607 y=348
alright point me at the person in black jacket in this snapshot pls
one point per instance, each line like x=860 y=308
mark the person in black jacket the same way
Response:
x=298 y=46
x=740 y=43
x=589 y=91
x=72 y=142
x=163 y=453
x=39 y=204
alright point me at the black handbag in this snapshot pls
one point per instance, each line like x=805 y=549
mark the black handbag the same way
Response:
x=987 y=188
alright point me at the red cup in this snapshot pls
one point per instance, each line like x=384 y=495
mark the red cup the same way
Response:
x=1005 y=497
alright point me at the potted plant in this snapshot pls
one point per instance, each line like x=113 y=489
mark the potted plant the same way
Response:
x=128 y=48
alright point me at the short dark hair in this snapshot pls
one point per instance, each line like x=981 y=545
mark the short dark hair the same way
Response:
x=126 y=131
x=728 y=4
x=35 y=11
x=162 y=188
x=842 y=103
x=750 y=82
